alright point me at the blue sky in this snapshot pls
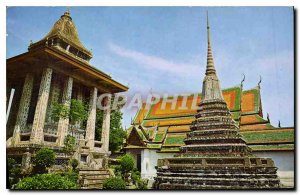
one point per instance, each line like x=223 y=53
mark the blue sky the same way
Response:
x=164 y=48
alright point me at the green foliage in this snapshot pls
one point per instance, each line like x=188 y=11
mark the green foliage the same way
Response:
x=114 y=183
x=135 y=175
x=137 y=180
x=59 y=111
x=14 y=171
x=11 y=163
x=78 y=111
x=44 y=158
x=74 y=163
x=69 y=144
x=126 y=163
x=117 y=133
x=46 y=182
x=142 y=184
x=72 y=176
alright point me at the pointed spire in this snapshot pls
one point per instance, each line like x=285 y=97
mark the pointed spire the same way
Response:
x=279 y=125
x=211 y=89
x=210 y=68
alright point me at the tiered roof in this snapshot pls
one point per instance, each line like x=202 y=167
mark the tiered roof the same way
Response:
x=169 y=127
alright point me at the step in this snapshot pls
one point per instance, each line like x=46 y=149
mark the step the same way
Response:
x=96 y=177
x=94 y=172
x=92 y=182
x=92 y=186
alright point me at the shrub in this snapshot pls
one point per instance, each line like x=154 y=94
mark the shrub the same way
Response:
x=69 y=144
x=72 y=176
x=46 y=182
x=14 y=172
x=74 y=163
x=126 y=163
x=44 y=158
x=114 y=183
x=142 y=184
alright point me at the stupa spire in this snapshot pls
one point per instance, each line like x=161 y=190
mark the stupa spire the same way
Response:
x=210 y=68
x=211 y=87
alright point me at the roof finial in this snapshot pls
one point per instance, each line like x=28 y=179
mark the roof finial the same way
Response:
x=279 y=125
x=243 y=80
x=67 y=10
x=210 y=69
x=260 y=79
x=268 y=117
x=67 y=14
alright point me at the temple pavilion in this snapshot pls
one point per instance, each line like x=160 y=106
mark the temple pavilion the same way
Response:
x=56 y=69
x=161 y=134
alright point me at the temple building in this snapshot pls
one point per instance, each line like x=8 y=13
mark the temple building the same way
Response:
x=56 y=69
x=158 y=133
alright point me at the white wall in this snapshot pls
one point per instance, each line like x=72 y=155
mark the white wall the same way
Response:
x=149 y=161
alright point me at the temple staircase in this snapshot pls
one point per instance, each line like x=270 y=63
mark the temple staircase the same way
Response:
x=91 y=178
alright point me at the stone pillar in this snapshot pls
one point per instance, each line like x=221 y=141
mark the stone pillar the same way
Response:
x=23 y=110
x=63 y=123
x=53 y=98
x=80 y=98
x=91 y=121
x=37 y=135
x=106 y=124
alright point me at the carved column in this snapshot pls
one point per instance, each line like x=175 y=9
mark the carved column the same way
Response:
x=91 y=122
x=63 y=123
x=53 y=98
x=23 y=110
x=41 y=107
x=106 y=125
x=80 y=98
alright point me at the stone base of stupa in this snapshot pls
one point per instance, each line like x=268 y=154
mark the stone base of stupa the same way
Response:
x=216 y=173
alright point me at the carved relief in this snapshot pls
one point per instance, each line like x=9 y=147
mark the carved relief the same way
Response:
x=41 y=107
x=23 y=108
x=63 y=123
x=106 y=125
x=91 y=122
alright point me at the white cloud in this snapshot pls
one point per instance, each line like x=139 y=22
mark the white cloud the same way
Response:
x=156 y=63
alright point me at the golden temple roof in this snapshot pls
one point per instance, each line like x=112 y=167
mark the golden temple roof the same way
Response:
x=65 y=29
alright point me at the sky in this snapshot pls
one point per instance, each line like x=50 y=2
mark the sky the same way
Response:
x=163 y=49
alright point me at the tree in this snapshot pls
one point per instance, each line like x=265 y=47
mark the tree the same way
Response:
x=76 y=113
x=43 y=159
x=114 y=183
x=46 y=182
x=117 y=133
